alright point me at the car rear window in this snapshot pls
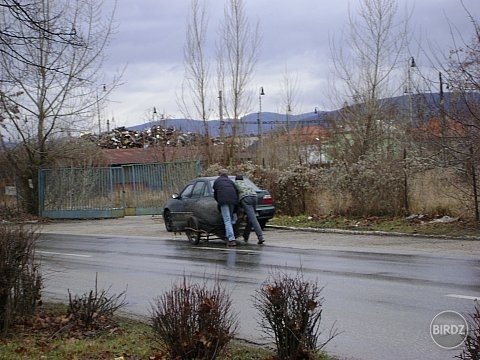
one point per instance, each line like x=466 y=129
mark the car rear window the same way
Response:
x=251 y=184
x=247 y=181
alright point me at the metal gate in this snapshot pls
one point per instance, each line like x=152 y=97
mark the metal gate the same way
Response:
x=106 y=192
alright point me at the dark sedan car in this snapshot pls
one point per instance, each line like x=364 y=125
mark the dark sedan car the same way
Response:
x=195 y=211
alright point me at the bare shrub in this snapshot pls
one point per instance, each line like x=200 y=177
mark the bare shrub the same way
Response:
x=95 y=308
x=194 y=321
x=291 y=313
x=293 y=189
x=471 y=346
x=9 y=212
x=368 y=187
x=20 y=279
x=372 y=187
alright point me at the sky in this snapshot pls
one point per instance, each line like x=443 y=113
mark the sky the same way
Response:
x=150 y=36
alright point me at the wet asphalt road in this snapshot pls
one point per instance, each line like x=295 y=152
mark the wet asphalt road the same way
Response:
x=382 y=303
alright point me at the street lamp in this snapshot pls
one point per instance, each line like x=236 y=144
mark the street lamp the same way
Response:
x=220 y=114
x=260 y=125
x=317 y=111
x=408 y=88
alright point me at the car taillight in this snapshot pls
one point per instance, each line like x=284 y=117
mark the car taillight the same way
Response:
x=267 y=200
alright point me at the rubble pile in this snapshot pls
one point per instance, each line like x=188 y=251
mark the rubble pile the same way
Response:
x=123 y=138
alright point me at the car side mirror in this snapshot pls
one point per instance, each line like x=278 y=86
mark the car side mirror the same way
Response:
x=175 y=196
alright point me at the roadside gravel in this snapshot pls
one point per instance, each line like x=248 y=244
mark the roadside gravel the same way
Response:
x=153 y=226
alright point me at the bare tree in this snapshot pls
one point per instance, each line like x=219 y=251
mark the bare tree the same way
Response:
x=364 y=62
x=13 y=12
x=237 y=56
x=455 y=144
x=367 y=136
x=55 y=89
x=290 y=89
x=197 y=71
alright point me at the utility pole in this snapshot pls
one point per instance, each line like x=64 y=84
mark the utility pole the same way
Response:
x=220 y=114
x=104 y=88
x=443 y=125
x=289 y=110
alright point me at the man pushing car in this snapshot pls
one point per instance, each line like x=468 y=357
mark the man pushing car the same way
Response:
x=225 y=194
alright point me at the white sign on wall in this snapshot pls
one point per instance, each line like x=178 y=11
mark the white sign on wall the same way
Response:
x=11 y=190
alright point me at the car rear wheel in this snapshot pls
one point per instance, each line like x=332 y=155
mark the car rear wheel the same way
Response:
x=193 y=231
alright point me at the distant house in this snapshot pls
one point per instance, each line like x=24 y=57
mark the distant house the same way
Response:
x=437 y=127
x=189 y=152
x=304 y=145
x=150 y=155
x=311 y=142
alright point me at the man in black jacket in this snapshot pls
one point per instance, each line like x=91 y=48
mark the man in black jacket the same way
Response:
x=225 y=193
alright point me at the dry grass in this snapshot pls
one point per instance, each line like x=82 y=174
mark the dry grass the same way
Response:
x=39 y=337
x=433 y=192
x=427 y=225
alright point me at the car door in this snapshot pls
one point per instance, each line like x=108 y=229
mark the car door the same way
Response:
x=206 y=208
x=191 y=203
x=179 y=208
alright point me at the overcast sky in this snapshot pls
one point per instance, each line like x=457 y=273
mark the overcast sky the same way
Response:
x=150 y=38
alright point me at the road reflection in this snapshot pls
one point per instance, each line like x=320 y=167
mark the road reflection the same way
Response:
x=231 y=258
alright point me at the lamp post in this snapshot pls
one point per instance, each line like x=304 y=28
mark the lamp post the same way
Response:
x=317 y=111
x=220 y=114
x=408 y=90
x=260 y=125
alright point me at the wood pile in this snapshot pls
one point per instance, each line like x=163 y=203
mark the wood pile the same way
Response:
x=123 y=138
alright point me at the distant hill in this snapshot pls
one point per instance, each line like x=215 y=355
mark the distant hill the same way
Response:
x=247 y=126
x=424 y=106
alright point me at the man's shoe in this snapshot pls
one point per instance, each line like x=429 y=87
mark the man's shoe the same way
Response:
x=260 y=241
x=232 y=243
x=245 y=239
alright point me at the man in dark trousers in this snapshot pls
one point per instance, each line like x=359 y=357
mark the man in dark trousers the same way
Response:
x=225 y=193
x=248 y=200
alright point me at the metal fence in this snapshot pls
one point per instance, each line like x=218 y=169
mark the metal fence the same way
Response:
x=102 y=192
